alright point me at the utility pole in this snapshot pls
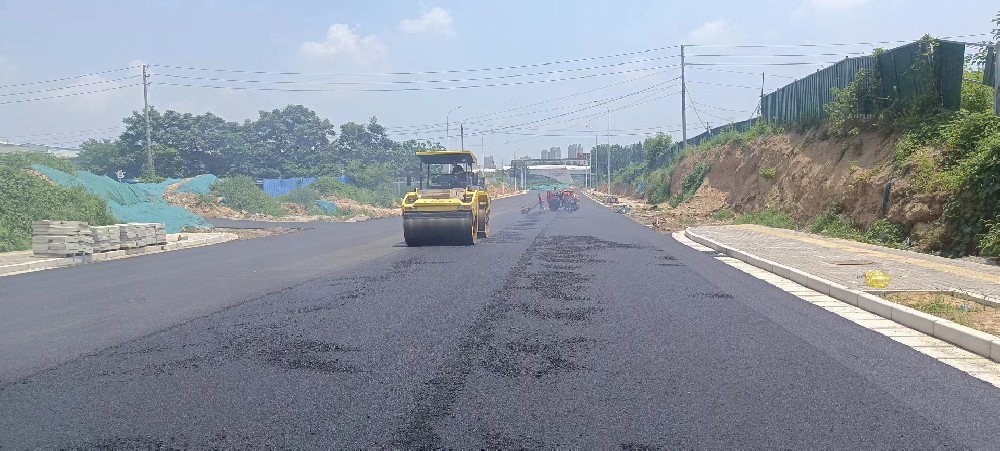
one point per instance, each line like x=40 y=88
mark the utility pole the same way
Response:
x=996 y=79
x=145 y=101
x=609 y=150
x=462 y=127
x=760 y=106
x=684 y=121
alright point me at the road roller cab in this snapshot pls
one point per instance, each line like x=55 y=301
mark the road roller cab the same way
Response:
x=450 y=205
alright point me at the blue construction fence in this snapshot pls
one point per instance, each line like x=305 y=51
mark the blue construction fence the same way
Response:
x=280 y=187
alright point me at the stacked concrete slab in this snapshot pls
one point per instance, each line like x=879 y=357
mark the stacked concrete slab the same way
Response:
x=150 y=234
x=61 y=238
x=106 y=238
x=129 y=236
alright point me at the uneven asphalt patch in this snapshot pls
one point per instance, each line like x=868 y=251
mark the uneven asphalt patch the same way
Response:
x=578 y=330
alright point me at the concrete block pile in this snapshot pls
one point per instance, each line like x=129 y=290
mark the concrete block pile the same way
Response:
x=130 y=237
x=107 y=238
x=65 y=238
x=150 y=234
x=61 y=238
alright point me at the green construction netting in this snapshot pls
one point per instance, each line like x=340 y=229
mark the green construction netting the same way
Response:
x=198 y=184
x=130 y=202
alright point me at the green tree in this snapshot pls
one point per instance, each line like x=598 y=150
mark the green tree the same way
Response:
x=290 y=142
x=105 y=157
x=656 y=148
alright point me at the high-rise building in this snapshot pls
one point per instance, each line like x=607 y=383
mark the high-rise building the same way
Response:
x=574 y=151
x=555 y=153
x=488 y=163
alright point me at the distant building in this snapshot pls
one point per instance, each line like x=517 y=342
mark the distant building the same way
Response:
x=488 y=163
x=574 y=151
x=555 y=153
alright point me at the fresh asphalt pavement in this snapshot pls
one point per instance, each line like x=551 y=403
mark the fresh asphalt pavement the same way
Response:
x=562 y=330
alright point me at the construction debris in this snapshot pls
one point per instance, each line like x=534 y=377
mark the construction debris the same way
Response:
x=61 y=238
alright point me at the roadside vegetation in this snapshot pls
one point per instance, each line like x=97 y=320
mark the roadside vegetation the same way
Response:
x=29 y=197
x=940 y=153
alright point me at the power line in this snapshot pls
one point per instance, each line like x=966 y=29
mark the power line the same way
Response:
x=553 y=100
x=640 y=102
x=74 y=132
x=720 y=108
x=723 y=85
x=68 y=87
x=398 y=82
x=587 y=108
x=696 y=110
x=65 y=78
x=594 y=104
x=799 y=63
x=70 y=95
x=451 y=71
x=761 y=46
x=777 y=55
x=430 y=88
x=699 y=67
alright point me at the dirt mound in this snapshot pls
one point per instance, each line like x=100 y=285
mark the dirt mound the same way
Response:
x=804 y=175
x=701 y=209
x=369 y=211
x=202 y=207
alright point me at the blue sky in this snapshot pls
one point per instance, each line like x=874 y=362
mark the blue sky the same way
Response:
x=325 y=40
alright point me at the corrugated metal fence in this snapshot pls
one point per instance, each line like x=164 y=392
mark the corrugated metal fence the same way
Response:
x=804 y=99
x=280 y=187
x=741 y=126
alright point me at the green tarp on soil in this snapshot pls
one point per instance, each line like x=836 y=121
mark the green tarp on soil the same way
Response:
x=135 y=202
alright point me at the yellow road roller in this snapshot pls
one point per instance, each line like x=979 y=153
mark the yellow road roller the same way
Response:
x=451 y=205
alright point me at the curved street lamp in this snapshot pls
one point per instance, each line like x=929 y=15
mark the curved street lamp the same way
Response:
x=447 y=125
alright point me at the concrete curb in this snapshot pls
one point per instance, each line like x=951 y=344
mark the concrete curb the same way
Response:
x=970 y=339
x=38 y=265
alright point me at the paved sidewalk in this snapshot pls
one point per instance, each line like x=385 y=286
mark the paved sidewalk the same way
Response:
x=19 y=262
x=845 y=262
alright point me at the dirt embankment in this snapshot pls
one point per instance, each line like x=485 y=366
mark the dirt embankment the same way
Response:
x=804 y=175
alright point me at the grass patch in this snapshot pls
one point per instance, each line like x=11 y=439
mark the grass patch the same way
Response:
x=967 y=313
x=724 y=215
x=29 y=198
x=690 y=183
x=329 y=186
x=241 y=193
x=305 y=197
x=768 y=173
x=769 y=217
x=833 y=224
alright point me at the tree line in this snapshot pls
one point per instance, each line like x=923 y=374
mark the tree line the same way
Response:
x=289 y=142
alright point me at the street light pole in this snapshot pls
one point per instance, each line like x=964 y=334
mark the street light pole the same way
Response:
x=447 y=125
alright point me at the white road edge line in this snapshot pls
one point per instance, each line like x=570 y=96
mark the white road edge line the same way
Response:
x=972 y=364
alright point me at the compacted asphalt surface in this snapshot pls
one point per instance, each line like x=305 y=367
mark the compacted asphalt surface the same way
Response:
x=562 y=330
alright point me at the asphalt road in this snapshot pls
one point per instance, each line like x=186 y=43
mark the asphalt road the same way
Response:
x=563 y=330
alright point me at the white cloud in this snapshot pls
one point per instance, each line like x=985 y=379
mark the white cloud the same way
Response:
x=342 y=44
x=435 y=21
x=715 y=31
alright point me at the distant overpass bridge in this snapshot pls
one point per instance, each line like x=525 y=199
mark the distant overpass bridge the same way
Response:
x=550 y=174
